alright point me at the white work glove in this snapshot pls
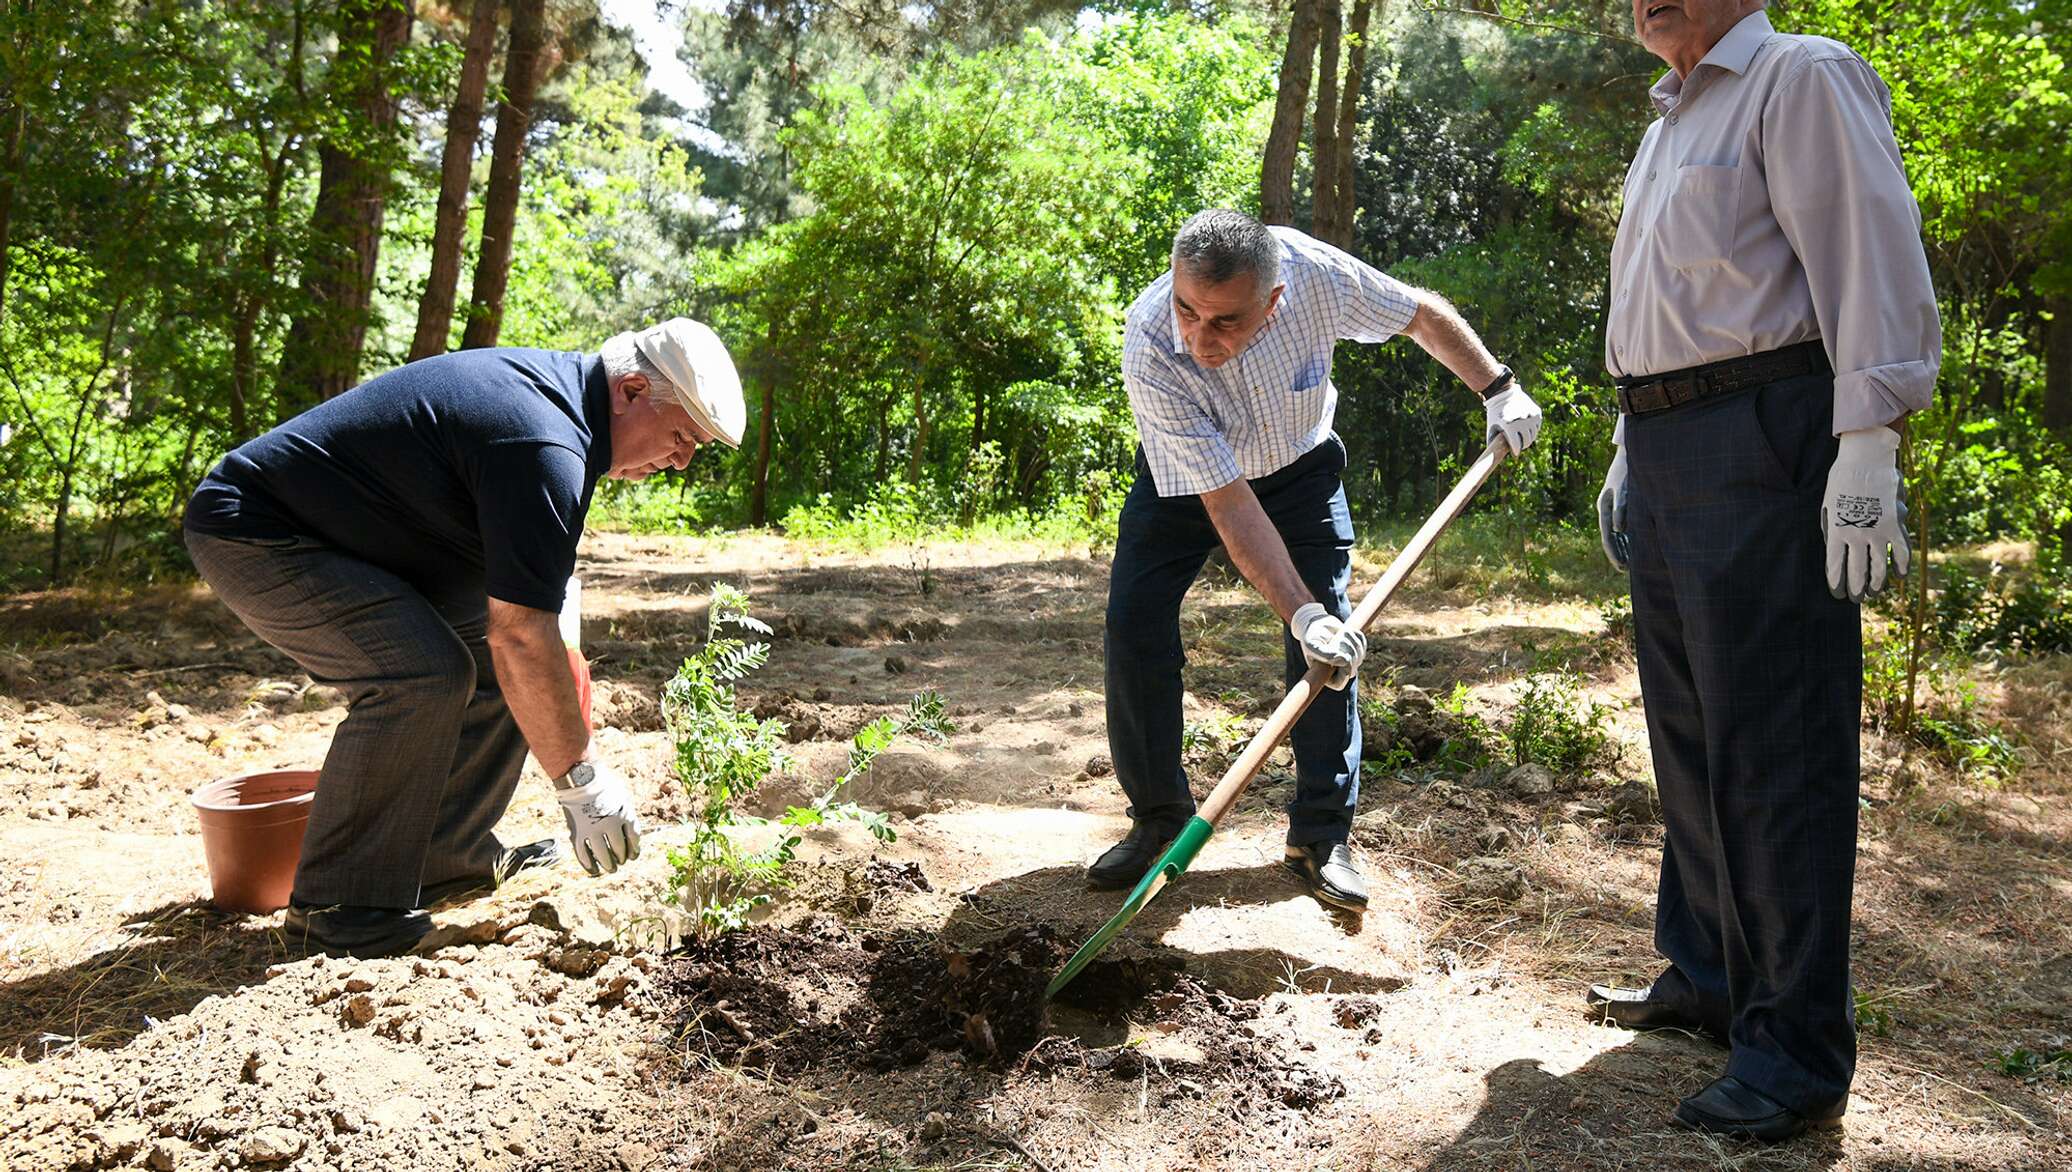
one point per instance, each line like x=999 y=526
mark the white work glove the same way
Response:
x=1861 y=516
x=1513 y=415
x=1611 y=511
x=1325 y=639
x=603 y=830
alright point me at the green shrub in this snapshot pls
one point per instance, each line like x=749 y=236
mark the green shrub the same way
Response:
x=723 y=754
x=668 y=503
x=2005 y=609
x=1553 y=726
x=1949 y=719
x=2030 y=1065
x=1213 y=742
x=1470 y=741
x=898 y=512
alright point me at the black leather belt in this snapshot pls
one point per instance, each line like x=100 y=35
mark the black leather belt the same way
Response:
x=1663 y=392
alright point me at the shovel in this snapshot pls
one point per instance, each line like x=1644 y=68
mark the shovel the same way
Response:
x=1188 y=842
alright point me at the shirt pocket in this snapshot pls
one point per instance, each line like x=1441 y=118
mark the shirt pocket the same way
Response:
x=1697 y=225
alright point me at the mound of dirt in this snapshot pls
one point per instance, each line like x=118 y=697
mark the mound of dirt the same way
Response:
x=341 y=1064
x=794 y=1001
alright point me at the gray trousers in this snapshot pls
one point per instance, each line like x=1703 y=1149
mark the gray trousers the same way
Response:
x=428 y=755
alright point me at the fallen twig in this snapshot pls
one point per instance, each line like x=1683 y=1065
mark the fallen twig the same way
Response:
x=147 y=673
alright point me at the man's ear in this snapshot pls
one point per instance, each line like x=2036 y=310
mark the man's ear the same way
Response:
x=1274 y=298
x=625 y=389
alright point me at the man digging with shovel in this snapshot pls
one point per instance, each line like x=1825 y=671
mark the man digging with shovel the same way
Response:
x=1227 y=360
x=409 y=541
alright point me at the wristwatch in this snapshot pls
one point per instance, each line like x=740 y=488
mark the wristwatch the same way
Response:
x=1503 y=378
x=580 y=774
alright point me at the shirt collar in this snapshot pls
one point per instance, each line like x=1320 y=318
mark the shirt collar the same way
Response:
x=1732 y=53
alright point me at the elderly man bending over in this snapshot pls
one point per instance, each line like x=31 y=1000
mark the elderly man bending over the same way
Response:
x=409 y=541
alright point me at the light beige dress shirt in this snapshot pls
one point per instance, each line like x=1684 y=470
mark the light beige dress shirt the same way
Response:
x=1767 y=206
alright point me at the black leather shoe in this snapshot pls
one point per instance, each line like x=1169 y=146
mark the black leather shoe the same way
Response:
x=1123 y=864
x=361 y=932
x=1732 y=1108
x=544 y=853
x=1637 y=1009
x=1329 y=870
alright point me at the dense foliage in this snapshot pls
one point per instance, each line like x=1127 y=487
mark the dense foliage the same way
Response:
x=917 y=225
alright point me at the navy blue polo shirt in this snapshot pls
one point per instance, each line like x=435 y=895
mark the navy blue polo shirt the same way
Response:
x=465 y=472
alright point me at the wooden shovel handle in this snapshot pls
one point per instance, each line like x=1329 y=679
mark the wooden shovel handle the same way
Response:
x=1292 y=706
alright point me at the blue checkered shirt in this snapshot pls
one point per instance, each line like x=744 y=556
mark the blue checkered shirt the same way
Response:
x=1263 y=410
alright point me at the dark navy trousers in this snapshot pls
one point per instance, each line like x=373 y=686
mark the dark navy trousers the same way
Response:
x=1160 y=546
x=1752 y=678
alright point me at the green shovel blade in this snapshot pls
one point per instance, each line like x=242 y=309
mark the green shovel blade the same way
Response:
x=1185 y=846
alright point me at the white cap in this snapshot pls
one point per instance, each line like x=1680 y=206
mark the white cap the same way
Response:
x=691 y=356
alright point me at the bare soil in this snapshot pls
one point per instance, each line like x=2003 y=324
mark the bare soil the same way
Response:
x=888 y=1013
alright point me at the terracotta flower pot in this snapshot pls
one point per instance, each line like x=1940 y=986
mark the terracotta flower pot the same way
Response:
x=251 y=829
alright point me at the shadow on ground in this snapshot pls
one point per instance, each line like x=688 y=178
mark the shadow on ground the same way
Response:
x=177 y=955
x=1612 y=1111
x=1058 y=898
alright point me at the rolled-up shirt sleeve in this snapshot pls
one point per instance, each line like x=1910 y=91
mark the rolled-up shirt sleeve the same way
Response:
x=1840 y=194
x=1183 y=446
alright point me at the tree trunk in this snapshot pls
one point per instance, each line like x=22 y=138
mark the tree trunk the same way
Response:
x=244 y=368
x=1324 y=155
x=456 y=165
x=2057 y=386
x=251 y=302
x=884 y=460
x=1348 y=124
x=2057 y=367
x=978 y=416
x=922 y=427
x=321 y=357
x=10 y=167
x=1277 y=171
x=506 y=174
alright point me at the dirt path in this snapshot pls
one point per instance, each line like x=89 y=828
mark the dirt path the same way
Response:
x=1239 y=1026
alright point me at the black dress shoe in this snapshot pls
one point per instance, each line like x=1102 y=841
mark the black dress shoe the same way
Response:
x=361 y=932
x=1123 y=864
x=1329 y=870
x=1732 y=1108
x=1637 y=1009
x=544 y=853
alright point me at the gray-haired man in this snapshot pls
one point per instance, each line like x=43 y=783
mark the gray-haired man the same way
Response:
x=1227 y=360
x=409 y=541
x=1771 y=322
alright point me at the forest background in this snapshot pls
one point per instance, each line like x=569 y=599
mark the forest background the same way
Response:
x=917 y=226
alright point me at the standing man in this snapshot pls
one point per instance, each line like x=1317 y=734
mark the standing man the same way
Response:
x=409 y=541
x=1771 y=323
x=1227 y=359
